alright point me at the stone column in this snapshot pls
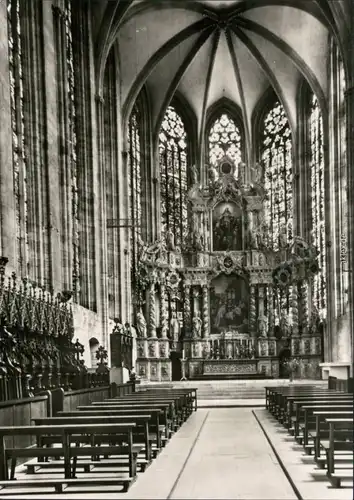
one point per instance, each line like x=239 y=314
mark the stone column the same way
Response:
x=295 y=310
x=252 y=313
x=304 y=303
x=206 y=311
x=152 y=311
x=163 y=311
x=7 y=195
x=347 y=337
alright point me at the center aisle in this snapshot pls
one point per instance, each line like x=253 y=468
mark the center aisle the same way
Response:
x=218 y=453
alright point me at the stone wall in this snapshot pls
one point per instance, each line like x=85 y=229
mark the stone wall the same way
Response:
x=87 y=325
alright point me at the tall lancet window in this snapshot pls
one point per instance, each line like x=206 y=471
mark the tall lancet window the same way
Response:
x=20 y=160
x=173 y=175
x=318 y=201
x=276 y=157
x=224 y=139
x=134 y=163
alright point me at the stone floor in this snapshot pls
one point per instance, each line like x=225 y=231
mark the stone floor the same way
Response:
x=220 y=453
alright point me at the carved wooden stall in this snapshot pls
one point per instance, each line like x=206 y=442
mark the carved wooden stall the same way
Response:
x=228 y=303
x=36 y=347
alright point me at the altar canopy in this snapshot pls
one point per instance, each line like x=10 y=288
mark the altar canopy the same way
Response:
x=227 y=297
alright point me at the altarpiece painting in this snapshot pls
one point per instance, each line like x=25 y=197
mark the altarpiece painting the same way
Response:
x=229 y=297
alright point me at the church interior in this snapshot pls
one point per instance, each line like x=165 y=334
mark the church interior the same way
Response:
x=176 y=248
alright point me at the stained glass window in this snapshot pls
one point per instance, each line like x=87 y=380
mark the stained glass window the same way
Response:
x=276 y=156
x=344 y=216
x=318 y=202
x=18 y=131
x=224 y=139
x=134 y=169
x=72 y=141
x=173 y=175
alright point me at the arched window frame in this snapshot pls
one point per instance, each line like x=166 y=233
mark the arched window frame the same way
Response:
x=138 y=193
x=266 y=104
x=224 y=106
x=184 y=111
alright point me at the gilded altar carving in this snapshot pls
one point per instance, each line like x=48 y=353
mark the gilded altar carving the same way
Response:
x=216 y=367
x=226 y=277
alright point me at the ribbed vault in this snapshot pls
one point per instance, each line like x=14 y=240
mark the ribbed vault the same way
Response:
x=209 y=50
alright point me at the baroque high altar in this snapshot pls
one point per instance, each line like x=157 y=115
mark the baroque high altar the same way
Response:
x=228 y=302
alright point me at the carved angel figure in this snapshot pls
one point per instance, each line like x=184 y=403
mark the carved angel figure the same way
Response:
x=197 y=326
x=263 y=325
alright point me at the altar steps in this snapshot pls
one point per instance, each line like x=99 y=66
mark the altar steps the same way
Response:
x=223 y=390
x=232 y=376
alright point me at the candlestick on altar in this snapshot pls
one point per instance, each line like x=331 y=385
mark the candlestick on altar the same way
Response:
x=183 y=365
x=183 y=354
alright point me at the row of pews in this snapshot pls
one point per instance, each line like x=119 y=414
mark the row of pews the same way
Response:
x=122 y=435
x=321 y=420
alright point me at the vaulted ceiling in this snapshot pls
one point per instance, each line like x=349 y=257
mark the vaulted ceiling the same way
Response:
x=209 y=49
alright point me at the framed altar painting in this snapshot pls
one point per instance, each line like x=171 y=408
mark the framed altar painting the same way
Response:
x=227 y=227
x=229 y=296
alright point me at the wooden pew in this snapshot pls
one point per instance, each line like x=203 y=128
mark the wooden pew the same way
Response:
x=339 y=428
x=167 y=411
x=191 y=393
x=141 y=428
x=309 y=419
x=178 y=412
x=182 y=400
x=285 y=401
x=321 y=431
x=284 y=409
x=271 y=392
x=175 y=407
x=294 y=408
x=156 y=429
x=67 y=432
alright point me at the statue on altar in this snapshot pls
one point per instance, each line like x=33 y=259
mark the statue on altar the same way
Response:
x=141 y=325
x=262 y=326
x=284 y=324
x=170 y=240
x=174 y=328
x=196 y=326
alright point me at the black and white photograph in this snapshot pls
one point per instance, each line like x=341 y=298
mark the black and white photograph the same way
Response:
x=176 y=249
